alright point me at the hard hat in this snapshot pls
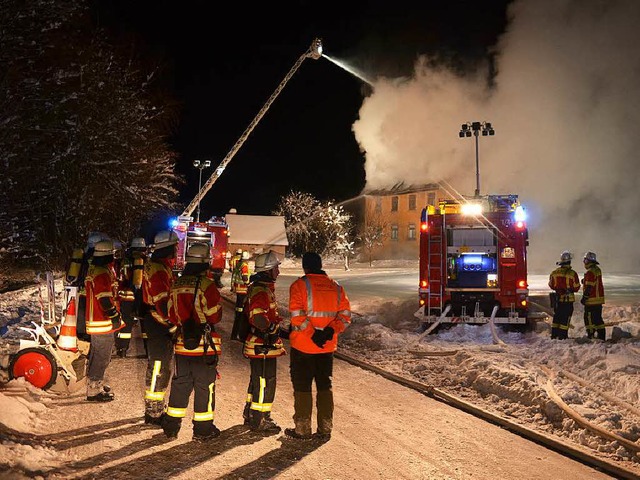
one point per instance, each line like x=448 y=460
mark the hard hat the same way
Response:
x=245 y=255
x=165 y=238
x=266 y=261
x=239 y=251
x=590 y=257
x=565 y=257
x=138 y=242
x=103 y=248
x=94 y=238
x=198 y=253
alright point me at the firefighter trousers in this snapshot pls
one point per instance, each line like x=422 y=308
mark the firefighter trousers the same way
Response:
x=193 y=374
x=561 y=318
x=123 y=336
x=262 y=384
x=240 y=297
x=99 y=356
x=159 y=359
x=593 y=322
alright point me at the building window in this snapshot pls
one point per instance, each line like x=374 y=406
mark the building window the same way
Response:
x=412 y=231
x=394 y=233
x=431 y=199
x=412 y=202
x=378 y=205
x=394 y=204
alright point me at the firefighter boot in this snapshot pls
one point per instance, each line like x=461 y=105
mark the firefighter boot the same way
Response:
x=205 y=431
x=170 y=426
x=246 y=413
x=153 y=412
x=263 y=423
x=302 y=405
x=97 y=392
x=324 y=404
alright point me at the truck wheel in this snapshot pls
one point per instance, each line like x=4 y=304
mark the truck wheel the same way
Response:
x=36 y=365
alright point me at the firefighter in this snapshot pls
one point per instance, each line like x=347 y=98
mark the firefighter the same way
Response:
x=240 y=285
x=129 y=291
x=232 y=266
x=320 y=311
x=194 y=307
x=263 y=345
x=564 y=281
x=102 y=318
x=593 y=297
x=156 y=282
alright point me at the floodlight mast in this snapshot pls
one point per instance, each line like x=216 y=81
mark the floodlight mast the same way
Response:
x=314 y=52
x=476 y=127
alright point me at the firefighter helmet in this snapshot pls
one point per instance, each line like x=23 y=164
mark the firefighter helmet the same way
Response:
x=165 y=238
x=239 y=251
x=266 y=261
x=198 y=253
x=103 y=248
x=590 y=257
x=565 y=257
x=138 y=242
x=245 y=255
x=94 y=238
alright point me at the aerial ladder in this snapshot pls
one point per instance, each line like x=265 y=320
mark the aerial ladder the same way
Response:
x=314 y=52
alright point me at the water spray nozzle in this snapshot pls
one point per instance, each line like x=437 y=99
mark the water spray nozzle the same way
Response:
x=315 y=50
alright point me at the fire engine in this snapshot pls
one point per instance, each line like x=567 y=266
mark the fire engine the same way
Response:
x=213 y=232
x=473 y=262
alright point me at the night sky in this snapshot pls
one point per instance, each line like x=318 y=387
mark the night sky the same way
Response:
x=222 y=64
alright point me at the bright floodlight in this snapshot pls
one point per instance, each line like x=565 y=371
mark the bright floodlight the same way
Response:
x=520 y=215
x=471 y=209
x=315 y=51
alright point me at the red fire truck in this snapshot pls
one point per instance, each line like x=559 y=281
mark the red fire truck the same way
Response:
x=214 y=232
x=473 y=262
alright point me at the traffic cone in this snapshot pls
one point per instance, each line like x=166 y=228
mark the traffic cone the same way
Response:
x=68 y=339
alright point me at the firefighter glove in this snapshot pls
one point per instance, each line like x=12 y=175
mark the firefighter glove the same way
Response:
x=114 y=316
x=320 y=337
x=284 y=333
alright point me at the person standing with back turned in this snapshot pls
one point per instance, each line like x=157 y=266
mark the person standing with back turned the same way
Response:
x=320 y=310
x=564 y=282
x=593 y=297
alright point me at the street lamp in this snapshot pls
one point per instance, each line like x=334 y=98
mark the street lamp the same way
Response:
x=200 y=165
x=476 y=128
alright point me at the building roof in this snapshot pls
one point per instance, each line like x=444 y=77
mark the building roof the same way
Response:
x=401 y=188
x=256 y=229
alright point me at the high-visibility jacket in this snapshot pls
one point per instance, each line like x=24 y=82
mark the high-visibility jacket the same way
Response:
x=262 y=309
x=592 y=285
x=101 y=291
x=196 y=297
x=316 y=302
x=565 y=281
x=240 y=277
x=156 y=282
x=125 y=280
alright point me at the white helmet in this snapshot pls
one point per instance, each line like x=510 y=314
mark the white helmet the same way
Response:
x=165 y=238
x=266 y=261
x=565 y=257
x=138 y=242
x=239 y=251
x=198 y=253
x=245 y=255
x=590 y=257
x=94 y=238
x=103 y=248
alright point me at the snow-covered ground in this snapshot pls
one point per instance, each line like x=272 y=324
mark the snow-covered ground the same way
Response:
x=515 y=375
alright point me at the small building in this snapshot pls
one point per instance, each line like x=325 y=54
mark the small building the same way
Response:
x=256 y=233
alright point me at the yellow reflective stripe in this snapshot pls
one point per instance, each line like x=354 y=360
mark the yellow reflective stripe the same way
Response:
x=155 y=374
x=212 y=310
x=256 y=311
x=160 y=296
x=176 y=412
x=249 y=397
x=261 y=407
x=202 y=416
x=263 y=386
x=104 y=295
x=124 y=335
x=212 y=387
x=150 y=395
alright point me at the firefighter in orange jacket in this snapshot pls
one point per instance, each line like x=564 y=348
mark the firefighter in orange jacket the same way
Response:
x=102 y=319
x=593 y=297
x=320 y=310
x=194 y=307
x=564 y=282
x=240 y=285
x=263 y=345
x=156 y=282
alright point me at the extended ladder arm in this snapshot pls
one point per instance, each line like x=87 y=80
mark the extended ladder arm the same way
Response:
x=315 y=52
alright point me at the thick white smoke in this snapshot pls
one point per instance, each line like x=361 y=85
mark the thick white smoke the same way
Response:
x=565 y=107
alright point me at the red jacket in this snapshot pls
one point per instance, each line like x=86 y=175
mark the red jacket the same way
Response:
x=100 y=284
x=317 y=302
x=156 y=282
x=592 y=284
x=195 y=297
x=264 y=320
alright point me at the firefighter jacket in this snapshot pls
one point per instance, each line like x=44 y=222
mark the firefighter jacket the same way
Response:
x=261 y=307
x=592 y=285
x=316 y=302
x=196 y=297
x=102 y=311
x=156 y=282
x=240 y=277
x=125 y=280
x=564 y=280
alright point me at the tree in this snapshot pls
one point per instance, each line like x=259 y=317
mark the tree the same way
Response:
x=373 y=232
x=83 y=144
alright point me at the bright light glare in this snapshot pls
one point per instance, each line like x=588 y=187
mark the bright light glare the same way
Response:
x=473 y=209
x=173 y=222
x=520 y=215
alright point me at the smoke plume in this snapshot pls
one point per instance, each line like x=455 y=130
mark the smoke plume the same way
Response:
x=564 y=103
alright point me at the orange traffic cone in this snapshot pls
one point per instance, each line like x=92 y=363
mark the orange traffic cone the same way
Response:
x=68 y=340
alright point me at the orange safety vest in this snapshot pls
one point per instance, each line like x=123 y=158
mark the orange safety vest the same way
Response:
x=316 y=302
x=261 y=299
x=565 y=281
x=592 y=282
x=100 y=282
x=195 y=297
